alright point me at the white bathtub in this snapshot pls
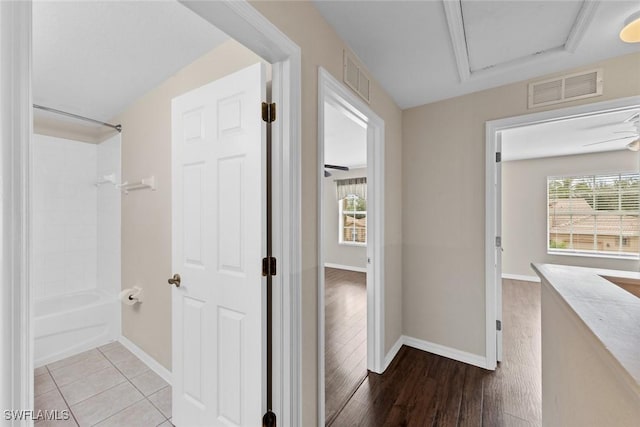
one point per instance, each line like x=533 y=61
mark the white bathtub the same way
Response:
x=69 y=324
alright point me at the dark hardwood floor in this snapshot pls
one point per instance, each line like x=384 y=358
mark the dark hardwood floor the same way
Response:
x=345 y=337
x=422 y=389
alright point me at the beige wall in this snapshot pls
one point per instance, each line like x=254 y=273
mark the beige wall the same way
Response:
x=321 y=46
x=334 y=252
x=524 y=208
x=443 y=231
x=146 y=215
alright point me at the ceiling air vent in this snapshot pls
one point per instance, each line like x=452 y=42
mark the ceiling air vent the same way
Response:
x=565 y=88
x=355 y=77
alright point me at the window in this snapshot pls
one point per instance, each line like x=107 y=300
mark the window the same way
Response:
x=353 y=220
x=594 y=215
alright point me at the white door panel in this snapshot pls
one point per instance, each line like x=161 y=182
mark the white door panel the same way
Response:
x=218 y=221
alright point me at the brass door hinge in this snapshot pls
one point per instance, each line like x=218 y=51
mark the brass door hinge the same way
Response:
x=269 y=112
x=269 y=266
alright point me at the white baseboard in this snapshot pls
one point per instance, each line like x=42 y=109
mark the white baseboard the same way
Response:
x=392 y=353
x=521 y=277
x=156 y=367
x=441 y=350
x=346 y=267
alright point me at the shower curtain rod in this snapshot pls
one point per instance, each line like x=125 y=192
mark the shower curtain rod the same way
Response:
x=75 y=116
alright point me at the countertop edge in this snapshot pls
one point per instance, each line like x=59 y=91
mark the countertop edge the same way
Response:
x=590 y=300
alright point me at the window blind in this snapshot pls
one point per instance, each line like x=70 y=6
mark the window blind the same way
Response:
x=594 y=214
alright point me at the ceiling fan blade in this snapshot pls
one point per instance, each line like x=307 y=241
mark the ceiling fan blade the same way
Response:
x=341 y=168
x=634 y=145
x=609 y=140
x=630 y=119
x=603 y=125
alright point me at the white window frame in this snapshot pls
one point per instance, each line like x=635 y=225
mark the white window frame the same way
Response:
x=341 y=240
x=584 y=252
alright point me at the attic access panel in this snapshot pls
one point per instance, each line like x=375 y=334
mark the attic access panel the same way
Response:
x=499 y=32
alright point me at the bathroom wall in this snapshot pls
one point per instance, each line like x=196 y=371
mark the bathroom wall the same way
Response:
x=146 y=215
x=76 y=225
x=109 y=201
x=64 y=216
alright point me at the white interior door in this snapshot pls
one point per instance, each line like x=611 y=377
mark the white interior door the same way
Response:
x=218 y=207
x=499 y=250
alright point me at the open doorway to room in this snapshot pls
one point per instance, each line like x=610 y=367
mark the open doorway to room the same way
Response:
x=124 y=359
x=606 y=127
x=344 y=220
x=567 y=192
x=350 y=244
x=570 y=193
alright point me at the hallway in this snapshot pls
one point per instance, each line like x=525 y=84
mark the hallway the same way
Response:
x=422 y=389
x=345 y=338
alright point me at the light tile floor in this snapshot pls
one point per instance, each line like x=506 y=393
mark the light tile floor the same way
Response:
x=106 y=387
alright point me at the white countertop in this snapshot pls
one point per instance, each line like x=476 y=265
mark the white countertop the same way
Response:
x=610 y=312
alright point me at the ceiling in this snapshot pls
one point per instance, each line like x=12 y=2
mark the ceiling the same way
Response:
x=572 y=136
x=96 y=58
x=424 y=51
x=345 y=140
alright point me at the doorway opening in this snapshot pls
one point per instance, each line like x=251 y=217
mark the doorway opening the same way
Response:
x=350 y=246
x=285 y=57
x=344 y=218
x=587 y=148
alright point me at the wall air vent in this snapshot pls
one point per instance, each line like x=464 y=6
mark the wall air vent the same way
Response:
x=355 y=78
x=565 y=88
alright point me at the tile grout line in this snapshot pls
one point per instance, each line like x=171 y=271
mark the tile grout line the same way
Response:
x=158 y=409
x=80 y=379
x=94 y=395
x=70 y=364
x=145 y=397
x=126 y=377
x=62 y=396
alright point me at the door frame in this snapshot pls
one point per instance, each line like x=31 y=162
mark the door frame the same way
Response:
x=493 y=200
x=241 y=21
x=16 y=390
x=332 y=91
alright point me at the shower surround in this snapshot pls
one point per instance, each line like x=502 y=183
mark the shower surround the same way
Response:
x=75 y=245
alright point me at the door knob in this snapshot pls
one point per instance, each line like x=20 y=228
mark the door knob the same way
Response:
x=175 y=280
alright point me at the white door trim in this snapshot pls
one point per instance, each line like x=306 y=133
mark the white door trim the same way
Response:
x=244 y=23
x=16 y=357
x=493 y=128
x=331 y=90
